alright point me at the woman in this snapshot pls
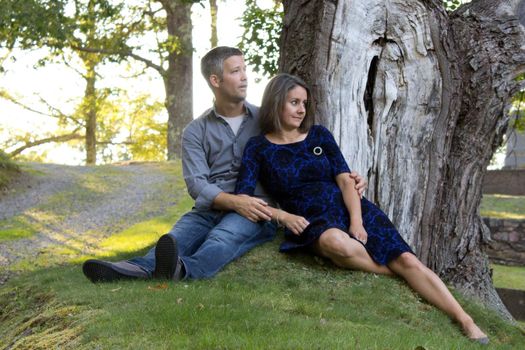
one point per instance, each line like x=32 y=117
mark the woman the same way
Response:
x=301 y=166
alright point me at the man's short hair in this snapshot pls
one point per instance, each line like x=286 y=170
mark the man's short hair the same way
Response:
x=213 y=61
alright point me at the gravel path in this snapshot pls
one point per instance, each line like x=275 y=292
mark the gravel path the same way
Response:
x=66 y=202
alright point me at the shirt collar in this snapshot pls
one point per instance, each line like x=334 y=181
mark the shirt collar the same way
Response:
x=250 y=110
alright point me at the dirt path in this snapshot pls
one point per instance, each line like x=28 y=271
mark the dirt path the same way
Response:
x=76 y=206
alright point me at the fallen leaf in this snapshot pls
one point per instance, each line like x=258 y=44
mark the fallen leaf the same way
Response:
x=159 y=286
x=116 y=289
x=200 y=306
x=179 y=300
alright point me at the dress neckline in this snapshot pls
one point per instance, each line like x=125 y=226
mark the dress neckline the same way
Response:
x=291 y=143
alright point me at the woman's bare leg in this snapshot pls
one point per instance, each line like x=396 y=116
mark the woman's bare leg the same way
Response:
x=425 y=282
x=346 y=252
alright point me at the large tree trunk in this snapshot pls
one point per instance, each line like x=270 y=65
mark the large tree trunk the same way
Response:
x=417 y=101
x=178 y=80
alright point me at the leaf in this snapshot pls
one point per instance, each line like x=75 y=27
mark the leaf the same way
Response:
x=160 y=286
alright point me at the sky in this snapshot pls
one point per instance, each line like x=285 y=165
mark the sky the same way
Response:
x=61 y=86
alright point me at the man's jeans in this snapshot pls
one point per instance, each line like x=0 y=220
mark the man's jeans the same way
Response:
x=207 y=240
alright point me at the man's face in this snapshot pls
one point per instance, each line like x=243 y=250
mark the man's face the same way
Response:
x=233 y=85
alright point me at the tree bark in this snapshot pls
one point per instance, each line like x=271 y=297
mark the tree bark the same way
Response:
x=214 y=11
x=417 y=101
x=90 y=112
x=178 y=79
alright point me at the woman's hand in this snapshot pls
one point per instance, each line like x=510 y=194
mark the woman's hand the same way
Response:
x=360 y=183
x=359 y=233
x=294 y=223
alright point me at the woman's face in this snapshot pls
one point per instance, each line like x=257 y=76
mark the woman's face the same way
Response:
x=294 y=109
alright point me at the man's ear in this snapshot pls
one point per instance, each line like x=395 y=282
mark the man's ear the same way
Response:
x=214 y=80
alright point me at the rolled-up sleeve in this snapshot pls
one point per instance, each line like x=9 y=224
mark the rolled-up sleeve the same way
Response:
x=195 y=168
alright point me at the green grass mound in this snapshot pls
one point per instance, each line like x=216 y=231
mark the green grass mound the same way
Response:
x=265 y=300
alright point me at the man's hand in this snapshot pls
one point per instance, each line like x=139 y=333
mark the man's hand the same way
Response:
x=360 y=183
x=253 y=209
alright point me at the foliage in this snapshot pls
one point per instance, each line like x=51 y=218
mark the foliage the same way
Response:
x=451 y=5
x=7 y=169
x=134 y=127
x=6 y=163
x=517 y=111
x=259 y=42
x=33 y=23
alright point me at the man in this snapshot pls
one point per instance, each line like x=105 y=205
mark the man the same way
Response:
x=222 y=226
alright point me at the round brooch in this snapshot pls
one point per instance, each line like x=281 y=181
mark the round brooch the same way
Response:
x=318 y=151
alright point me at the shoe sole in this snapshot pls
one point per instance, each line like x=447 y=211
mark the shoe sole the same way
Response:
x=101 y=271
x=166 y=257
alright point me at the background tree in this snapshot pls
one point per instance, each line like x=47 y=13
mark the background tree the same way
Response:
x=418 y=100
x=168 y=22
x=70 y=31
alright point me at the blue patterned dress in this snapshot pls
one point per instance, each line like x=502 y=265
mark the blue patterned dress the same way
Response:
x=300 y=176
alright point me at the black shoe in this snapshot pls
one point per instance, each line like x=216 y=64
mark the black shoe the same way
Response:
x=167 y=264
x=105 y=271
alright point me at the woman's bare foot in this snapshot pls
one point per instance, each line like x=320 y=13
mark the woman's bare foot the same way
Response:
x=472 y=331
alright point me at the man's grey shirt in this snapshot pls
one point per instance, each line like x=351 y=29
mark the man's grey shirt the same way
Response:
x=212 y=154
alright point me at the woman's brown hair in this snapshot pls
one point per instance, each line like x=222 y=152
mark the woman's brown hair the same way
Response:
x=273 y=101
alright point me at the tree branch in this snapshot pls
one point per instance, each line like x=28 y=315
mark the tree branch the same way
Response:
x=61 y=138
x=58 y=114
x=115 y=143
x=147 y=62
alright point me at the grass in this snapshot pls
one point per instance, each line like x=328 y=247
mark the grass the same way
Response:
x=265 y=300
x=502 y=206
x=512 y=277
x=16 y=228
x=92 y=187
